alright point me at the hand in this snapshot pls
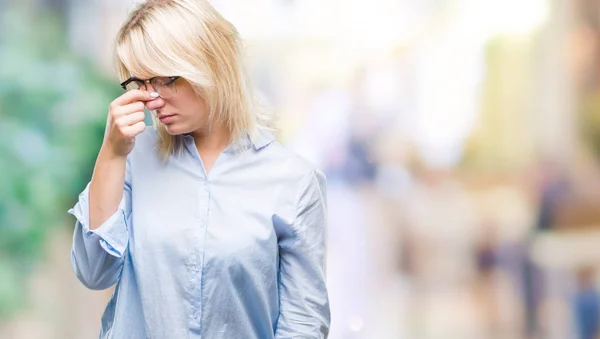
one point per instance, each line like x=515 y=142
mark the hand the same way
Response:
x=126 y=120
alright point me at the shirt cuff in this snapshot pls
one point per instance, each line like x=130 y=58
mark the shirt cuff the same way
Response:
x=112 y=233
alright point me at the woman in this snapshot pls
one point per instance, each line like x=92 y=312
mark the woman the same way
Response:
x=208 y=226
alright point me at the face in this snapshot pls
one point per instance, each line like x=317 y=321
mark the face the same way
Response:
x=182 y=111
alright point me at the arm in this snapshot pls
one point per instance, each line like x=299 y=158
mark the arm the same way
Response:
x=304 y=303
x=103 y=210
x=101 y=236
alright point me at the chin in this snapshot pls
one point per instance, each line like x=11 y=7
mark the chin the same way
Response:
x=175 y=129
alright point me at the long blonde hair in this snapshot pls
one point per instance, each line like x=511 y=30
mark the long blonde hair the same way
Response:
x=190 y=39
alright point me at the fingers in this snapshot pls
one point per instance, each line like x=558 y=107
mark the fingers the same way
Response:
x=134 y=107
x=129 y=119
x=154 y=104
x=137 y=106
x=126 y=113
x=135 y=129
x=133 y=96
x=131 y=125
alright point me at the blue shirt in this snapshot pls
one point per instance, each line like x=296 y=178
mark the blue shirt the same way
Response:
x=237 y=254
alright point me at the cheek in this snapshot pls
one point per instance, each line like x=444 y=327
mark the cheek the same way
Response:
x=189 y=105
x=196 y=108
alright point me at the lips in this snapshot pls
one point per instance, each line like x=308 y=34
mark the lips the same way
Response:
x=160 y=116
x=165 y=118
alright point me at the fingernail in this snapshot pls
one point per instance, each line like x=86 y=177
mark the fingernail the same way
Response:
x=154 y=95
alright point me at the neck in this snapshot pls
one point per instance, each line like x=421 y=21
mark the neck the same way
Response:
x=214 y=140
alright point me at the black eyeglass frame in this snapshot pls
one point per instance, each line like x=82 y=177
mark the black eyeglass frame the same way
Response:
x=132 y=79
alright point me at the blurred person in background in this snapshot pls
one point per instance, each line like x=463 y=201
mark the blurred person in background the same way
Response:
x=586 y=305
x=487 y=264
x=552 y=190
x=206 y=224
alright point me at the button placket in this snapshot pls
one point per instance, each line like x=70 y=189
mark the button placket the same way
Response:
x=196 y=266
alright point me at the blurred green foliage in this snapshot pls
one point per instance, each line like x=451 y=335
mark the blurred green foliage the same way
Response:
x=52 y=114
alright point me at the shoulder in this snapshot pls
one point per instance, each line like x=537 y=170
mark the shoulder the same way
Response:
x=297 y=182
x=297 y=170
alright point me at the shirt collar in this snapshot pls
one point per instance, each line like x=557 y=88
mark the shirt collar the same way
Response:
x=258 y=141
x=261 y=139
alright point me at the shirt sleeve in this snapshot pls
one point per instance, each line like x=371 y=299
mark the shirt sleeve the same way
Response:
x=304 y=303
x=97 y=255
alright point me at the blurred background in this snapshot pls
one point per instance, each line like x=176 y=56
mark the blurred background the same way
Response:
x=461 y=140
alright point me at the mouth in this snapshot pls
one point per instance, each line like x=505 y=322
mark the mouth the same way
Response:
x=166 y=118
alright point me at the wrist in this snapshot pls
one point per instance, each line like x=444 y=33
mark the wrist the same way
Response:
x=107 y=152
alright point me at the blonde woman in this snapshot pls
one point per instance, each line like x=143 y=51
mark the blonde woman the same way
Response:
x=206 y=224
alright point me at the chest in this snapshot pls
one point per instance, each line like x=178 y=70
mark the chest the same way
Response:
x=182 y=216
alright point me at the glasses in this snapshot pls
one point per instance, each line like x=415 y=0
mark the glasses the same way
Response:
x=164 y=86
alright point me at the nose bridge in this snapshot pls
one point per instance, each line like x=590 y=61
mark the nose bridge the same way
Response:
x=149 y=86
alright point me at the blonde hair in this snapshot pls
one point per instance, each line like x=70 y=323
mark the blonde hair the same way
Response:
x=190 y=39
